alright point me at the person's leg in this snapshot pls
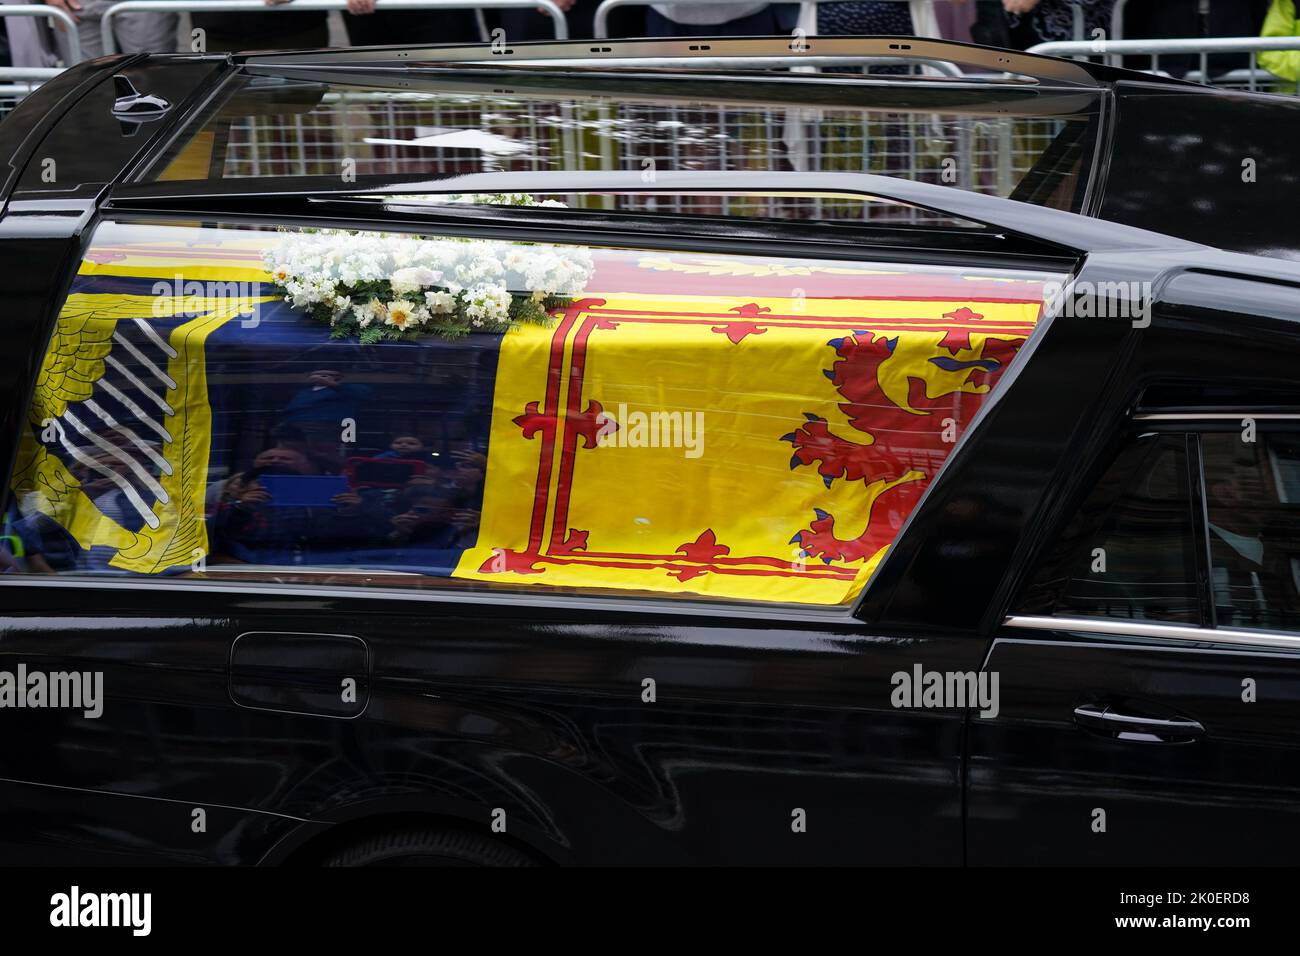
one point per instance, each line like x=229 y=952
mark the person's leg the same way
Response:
x=1022 y=34
x=521 y=25
x=415 y=27
x=1232 y=18
x=658 y=25
x=581 y=18
x=761 y=24
x=524 y=25
x=311 y=38
x=1161 y=19
x=990 y=26
x=786 y=15
x=146 y=32
x=92 y=11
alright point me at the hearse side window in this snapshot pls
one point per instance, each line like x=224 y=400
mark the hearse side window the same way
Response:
x=1028 y=144
x=1252 y=498
x=1129 y=552
x=350 y=408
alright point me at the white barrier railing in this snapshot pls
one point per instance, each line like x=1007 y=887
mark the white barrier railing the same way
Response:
x=1203 y=47
x=53 y=13
x=258 y=6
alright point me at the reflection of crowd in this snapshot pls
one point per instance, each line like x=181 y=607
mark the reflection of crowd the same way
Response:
x=313 y=496
x=106 y=478
x=316 y=498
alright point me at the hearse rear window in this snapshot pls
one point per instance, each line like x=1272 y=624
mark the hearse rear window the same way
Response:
x=366 y=409
x=1008 y=142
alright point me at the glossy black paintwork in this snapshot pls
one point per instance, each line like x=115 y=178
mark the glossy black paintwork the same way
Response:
x=1036 y=777
x=533 y=705
x=1217 y=168
x=91 y=120
x=537 y=711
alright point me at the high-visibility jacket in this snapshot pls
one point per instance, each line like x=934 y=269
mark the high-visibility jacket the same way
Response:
x=1281 y=22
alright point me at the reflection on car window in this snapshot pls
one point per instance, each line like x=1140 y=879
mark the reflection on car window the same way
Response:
x=358 y=408
x=1130 y=550
x=272 y=126
x=1252 y=491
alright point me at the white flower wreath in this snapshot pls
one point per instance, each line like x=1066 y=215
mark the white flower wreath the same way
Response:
x=378 y=286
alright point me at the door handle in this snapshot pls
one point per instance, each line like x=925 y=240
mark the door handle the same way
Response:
x=1106 y=719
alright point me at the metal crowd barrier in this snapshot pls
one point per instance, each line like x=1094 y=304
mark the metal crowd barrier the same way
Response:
x=18 y=81
x=259 y=6
x=55 y=14
x=1203 y=47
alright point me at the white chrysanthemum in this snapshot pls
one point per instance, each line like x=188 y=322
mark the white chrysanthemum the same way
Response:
x=402 y=314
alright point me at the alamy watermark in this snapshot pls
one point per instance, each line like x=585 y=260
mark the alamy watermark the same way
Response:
x=948 y=690
x=56 y=690
x=193 y=297
x=637 y=429
x=1100 y=300
x=77 y=909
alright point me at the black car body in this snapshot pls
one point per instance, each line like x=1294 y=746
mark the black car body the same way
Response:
x=1099 y=508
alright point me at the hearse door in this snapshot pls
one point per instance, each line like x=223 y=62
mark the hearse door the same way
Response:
x=1150 y=673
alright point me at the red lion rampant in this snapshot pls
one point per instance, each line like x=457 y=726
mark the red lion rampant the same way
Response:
x=903 y=446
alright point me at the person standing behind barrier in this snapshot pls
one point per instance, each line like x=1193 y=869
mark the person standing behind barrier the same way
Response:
x=579 y=17
x=1021 y=24
x=133 y=32
x=711 y=20
x=915 y=18
x=231 y=32
x=1173 y=19
x=367 y=26
x=1282 y=22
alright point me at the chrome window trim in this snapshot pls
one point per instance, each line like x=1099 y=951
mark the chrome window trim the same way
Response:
x=1215 y=416
x=653 y=52
x=1189 y=633
x=835 y=615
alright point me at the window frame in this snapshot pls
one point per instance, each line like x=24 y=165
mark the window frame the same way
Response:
x=846 y=615
x=1096 y=134
x=1192 y=424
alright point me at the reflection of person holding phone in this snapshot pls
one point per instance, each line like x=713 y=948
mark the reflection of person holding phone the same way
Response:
x=428 y=519
x=252 y=525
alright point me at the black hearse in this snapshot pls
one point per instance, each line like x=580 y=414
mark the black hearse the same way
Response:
x=652 y=452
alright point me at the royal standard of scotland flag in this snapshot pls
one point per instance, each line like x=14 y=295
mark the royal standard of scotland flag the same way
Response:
x=733 y=426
